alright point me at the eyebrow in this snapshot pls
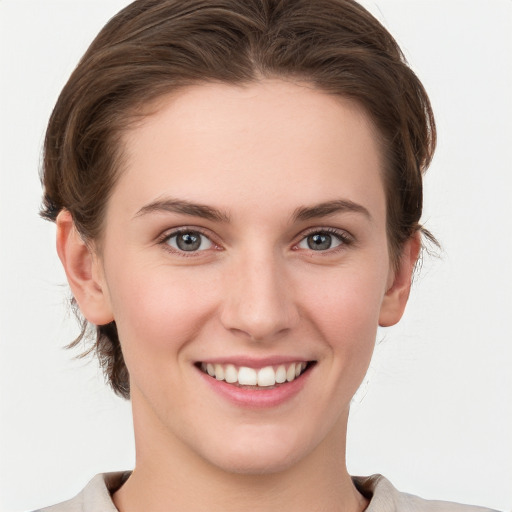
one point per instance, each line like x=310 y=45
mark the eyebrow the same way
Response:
x=185 y=207
x=329 y=208
x=302 y=213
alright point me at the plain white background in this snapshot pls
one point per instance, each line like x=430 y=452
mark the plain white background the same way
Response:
x=434 y=414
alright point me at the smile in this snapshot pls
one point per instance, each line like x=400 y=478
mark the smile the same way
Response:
x=265 y=377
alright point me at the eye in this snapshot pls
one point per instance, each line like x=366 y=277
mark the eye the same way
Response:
x=189 y=241
x=324 y=240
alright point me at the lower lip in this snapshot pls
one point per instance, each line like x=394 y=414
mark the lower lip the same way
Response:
x=257 y=398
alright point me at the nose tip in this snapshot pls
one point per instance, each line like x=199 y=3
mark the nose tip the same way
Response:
x=258 y=323
x=259 y=303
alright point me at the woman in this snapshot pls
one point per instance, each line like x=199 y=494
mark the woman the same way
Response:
x=237 y=190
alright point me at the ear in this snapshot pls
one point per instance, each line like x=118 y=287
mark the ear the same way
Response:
x=84 y=272
x=399 y=283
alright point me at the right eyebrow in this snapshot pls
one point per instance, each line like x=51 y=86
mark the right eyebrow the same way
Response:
x=330 y=208
x=184 y=207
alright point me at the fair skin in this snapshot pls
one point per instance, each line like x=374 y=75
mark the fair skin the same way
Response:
x=280 y=260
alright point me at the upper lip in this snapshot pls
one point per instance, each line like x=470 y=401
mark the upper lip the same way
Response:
x=253 y=362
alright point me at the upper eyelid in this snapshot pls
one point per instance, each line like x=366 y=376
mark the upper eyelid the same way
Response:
x=325 y=229
x=344 y=236
x=170 y=232
x=167 y=234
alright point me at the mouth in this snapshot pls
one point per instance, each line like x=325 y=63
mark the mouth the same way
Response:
x=267 y=377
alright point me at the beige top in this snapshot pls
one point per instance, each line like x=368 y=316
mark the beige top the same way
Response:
x=96 y=497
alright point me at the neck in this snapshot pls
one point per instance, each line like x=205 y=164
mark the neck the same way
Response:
x=170 y=475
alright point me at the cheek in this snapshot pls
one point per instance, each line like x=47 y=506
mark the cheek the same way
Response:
x=158 y=311
x=345 y=310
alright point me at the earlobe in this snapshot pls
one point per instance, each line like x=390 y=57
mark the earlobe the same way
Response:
x=397 y=294
x=83 y=271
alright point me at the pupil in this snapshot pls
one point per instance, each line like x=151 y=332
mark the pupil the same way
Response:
x=188 y=241
x=319 y=242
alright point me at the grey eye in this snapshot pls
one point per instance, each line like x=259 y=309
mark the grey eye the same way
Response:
x=189 y=241
x=320 y=242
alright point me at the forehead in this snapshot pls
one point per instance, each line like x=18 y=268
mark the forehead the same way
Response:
x=248 y=145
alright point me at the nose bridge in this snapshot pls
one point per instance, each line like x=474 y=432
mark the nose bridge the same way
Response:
x=258 y=296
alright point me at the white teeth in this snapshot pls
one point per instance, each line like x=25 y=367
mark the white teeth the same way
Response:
x=245 y=376
x=219 y=372
x=231 y=375
x=266 y=376
x=281 y=374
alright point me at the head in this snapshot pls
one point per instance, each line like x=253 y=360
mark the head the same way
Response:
x=156 y=48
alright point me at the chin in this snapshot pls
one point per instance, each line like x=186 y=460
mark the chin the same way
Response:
x=258 y=455
x=242 y=464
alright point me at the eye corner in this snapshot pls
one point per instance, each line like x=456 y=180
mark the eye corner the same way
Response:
x=324 y=240
x=193 y=241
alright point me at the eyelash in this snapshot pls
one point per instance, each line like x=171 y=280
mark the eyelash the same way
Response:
x=344 y=238
x=166 y=237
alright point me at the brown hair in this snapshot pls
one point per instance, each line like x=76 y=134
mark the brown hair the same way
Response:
x=153 y=47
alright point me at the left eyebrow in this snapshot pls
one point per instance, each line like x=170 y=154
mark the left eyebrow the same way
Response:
x=184 y=207
x=329 y=208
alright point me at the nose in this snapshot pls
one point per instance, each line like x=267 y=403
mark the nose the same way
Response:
x=259 y=302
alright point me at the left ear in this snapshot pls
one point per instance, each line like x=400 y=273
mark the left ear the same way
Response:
x=399 y=283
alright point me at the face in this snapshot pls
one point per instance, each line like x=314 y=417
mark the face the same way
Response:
x=245 y=262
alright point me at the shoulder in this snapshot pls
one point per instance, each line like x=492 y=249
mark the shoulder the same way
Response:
x=95 y=497
x=385 y=498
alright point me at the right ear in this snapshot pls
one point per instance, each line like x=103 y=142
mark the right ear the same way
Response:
x=84 y=272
